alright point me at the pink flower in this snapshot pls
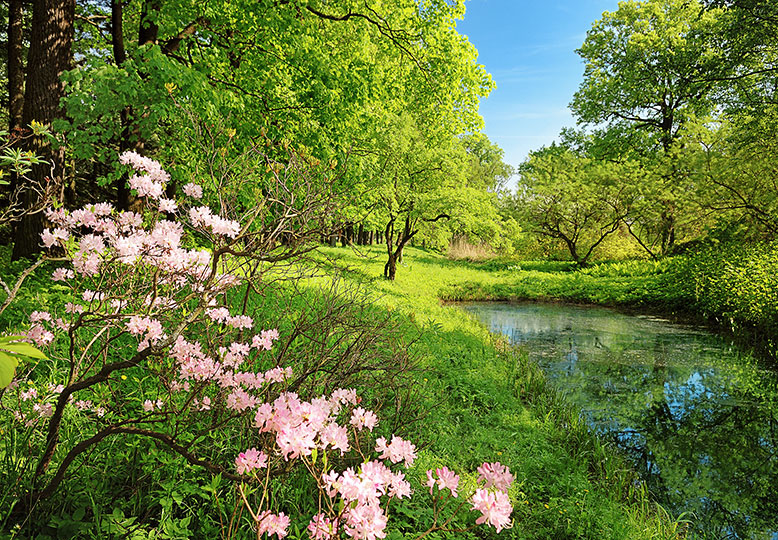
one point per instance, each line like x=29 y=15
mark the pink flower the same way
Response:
x=249 y=460
x=73 y=308
x=398 y=450
x=82 y=405
x=150 y=406
x=335 y=436
x=193 y=190
x=296 y=441
x=167 y=205
x=241 y=322
x=152 y=328
x=144 y=164
x=365 y=522
x=39 y=335
x=446 y=480
x=38 y=316
x=48 y=238
x=361 y=418
x=495 y=508
x=239 y=400
x=62 y=274
x=322 y=528
x=495 y=474
x=265 y=339
x=146 y=187
x=273 y=524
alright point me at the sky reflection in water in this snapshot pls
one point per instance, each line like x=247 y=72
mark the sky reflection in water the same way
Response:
x=697 y=416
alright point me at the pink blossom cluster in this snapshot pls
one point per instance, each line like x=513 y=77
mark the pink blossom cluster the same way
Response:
x=304 y=427
x=34 y=405
x=270 y=524
x=38 y=333
x=193 y=190
x=495 y=508
x=151 y=406
x=396 y=451
x=194 y=365
x=301 y=427
x=495 y=474
x=250 y=460
x=152 y=183
x=120 y=236
x=222 y=315
x=360 y=419
x=446 y=479
x=494 y=504
x=360 y=492
x=265 y=339
x=150 y=329
x=202 y=217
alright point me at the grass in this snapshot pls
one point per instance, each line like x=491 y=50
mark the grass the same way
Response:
x=485 y=401
x=491 y=403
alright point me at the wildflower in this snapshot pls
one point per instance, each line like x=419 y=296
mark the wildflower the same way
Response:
x=446 y=480
x=495 y=474
x=249 y=460
x=193 y=190
x=495 y=508
x=273 y=524
x=398 y=450
x=322 y=528
x=361 y=418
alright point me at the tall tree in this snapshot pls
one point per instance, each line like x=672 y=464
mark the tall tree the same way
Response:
x=15 y=63
x=652 y=65
x=51 y=41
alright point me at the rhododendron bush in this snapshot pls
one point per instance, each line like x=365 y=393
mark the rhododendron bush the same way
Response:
x=158 y=340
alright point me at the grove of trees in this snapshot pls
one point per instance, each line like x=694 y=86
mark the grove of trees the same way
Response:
x=677 y=115
x=385 y=92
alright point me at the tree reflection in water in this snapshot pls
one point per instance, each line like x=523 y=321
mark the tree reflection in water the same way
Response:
x=696 y=415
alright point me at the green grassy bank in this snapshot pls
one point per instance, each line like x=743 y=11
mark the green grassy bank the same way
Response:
x=478 y=400
x=491 y=403
x=733 y=287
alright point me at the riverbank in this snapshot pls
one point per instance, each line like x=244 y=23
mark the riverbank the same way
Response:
x=482 y=401
x=732 y=289
x=493 y=403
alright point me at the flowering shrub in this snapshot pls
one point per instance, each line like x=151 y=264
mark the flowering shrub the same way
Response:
x=151 y=343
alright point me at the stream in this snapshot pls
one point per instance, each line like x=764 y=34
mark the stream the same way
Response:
x=697 y=415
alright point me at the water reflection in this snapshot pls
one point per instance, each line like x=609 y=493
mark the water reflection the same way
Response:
x=697 y=416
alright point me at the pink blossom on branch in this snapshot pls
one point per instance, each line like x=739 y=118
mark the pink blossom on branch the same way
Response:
x=250 y=460
x=495 y=508
x=396 y=451
x=495 y=474
x=446 y=479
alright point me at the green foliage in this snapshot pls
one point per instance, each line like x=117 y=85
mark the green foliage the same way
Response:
x=574 y=199
x=12 y=350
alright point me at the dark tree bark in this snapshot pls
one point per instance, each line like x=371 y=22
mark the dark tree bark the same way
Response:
x=51 y=42
x=15 y=63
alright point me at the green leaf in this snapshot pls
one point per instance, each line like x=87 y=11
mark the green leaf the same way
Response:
x=21 y=348
x=8 y=365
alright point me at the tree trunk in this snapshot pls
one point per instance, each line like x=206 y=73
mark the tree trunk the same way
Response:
x=15 y=63
x=51 y=41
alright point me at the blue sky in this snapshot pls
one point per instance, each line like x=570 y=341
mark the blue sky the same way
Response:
x=529 y=48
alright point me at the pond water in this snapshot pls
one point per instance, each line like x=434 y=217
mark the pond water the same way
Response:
x=697 y=416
